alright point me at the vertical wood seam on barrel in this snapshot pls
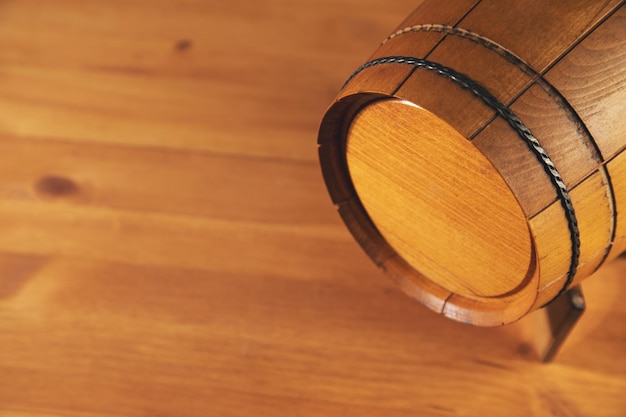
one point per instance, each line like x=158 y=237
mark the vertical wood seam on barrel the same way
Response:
x=613 y=206
x=393 y=93
x=518 y=126
x=552 y=64
x=445 y=303
x=582 y=37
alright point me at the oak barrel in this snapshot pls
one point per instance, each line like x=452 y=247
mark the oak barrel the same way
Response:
x=478 y=155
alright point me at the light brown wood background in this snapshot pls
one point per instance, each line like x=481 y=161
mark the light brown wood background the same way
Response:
x=168 y=248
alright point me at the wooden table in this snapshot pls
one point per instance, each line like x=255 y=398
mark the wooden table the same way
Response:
x=168 y=247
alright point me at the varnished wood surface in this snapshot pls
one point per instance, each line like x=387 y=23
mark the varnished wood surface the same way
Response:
x=406 y=191
x=562 y=182
x=168 y=247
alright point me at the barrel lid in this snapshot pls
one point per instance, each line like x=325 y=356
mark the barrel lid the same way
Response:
x=435 y=200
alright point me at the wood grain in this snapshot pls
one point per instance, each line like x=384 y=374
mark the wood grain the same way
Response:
x=616 y=167
x=485 y=87
x=598 y=66
x=555 y=27
x=401 y=177
x=461 y=109
x=421 y=44
x=168 y=247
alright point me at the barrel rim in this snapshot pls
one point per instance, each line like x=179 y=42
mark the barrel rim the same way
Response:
x=483 y=311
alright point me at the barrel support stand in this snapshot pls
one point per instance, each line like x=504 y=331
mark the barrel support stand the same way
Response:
x=562 y=314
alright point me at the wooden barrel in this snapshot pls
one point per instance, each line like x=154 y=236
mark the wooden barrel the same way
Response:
x=477 y=156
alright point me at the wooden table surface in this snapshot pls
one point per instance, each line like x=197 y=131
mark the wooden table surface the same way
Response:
x=168 y=247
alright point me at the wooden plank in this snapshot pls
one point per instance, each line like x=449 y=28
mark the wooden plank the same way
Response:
x=107 y=80
x=411 y=44
x=502 y=78
x=551 y=233
x=144 y=238
x=551 y=237
x=457 y=106
x=200 y=344
x=175 y=113
x=559 y=133
x=162 y=181
x=536 y=33
x=617 y=169
x=381 y=79
x=565 y=142
x=87 y=36
x=596 y=62
x=594 y=212
x=518 y=166
x=430 y=11
x=404 y=41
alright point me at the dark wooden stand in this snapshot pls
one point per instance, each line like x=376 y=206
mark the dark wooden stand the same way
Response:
x=562 y=314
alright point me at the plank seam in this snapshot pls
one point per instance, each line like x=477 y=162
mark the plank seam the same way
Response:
x=434 y=47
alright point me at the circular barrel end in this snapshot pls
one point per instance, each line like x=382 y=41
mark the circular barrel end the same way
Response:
x=431 y=210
